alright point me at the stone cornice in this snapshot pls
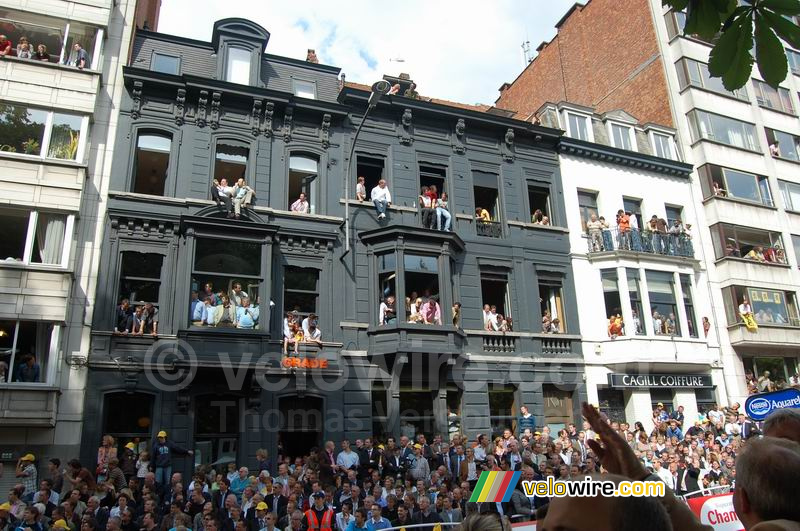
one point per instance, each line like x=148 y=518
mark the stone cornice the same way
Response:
x=633 y=159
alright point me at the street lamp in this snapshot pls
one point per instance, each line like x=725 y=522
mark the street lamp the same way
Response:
x=379 y=89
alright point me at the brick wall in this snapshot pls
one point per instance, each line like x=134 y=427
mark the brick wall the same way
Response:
x=605 y=56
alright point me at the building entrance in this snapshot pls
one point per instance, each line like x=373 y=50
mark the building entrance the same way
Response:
x=301 y=425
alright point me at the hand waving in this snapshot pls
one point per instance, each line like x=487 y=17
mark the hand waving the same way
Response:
x=614 y=454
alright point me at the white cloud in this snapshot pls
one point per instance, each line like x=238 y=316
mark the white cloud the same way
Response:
x=457 y=50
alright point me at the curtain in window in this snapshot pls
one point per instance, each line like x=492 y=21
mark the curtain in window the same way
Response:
x=50 y=237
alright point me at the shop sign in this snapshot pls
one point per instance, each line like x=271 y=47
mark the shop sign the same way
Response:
x=759 y=406
x=304 y=363
x=628 y=381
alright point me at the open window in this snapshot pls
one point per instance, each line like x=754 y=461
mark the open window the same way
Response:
x=663 y=303
x=738 y=241
x=770 y=307
x=717 y=181
x=230 y=160
x=783 y=145
x=371 y=169
x=33 y=237
x=502 y=408
x=433 y=175
x=303 y=179
x=587 y=205
x=380 y=410
x=151 y=163
x=494 y=290
x=552 y=302
x=300 y=290
x=25 y=351
x=421 y=278
x=539 y=204
x=611 y=297
x=635 y=296
x=634 y=208
x=487 y=198
x=688 y=305
x=140 y=277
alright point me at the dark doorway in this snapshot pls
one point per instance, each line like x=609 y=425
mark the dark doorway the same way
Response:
x=301 y=425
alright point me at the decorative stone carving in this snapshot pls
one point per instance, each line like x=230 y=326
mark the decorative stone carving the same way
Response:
x=180 y=106
x=215 y=100
x=255 y=118
x=507 y=147
x=269 y=110
x=136 y=111
x=325 y=131
x=458 y=138
x=287 y=123
x=202 y=104
x=406 y=128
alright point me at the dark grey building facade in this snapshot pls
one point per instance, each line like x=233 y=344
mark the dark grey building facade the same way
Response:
x=195 y=111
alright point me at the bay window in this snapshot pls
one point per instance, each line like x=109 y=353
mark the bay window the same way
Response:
x=58 y=36
x=770 y=307
x=718 y=128
x=717 y=181
x=34 y=237
x=41 y=133
x=779 y=99
x=694 y=73
x=26 y=348
x=738 y=241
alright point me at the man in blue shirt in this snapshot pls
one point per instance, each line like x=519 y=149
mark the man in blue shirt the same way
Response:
x=376 y=521
x=674 y=431
x=525 y=421
x=246 y=315
x=193 y=304
x=28 y=370
x=240 y=482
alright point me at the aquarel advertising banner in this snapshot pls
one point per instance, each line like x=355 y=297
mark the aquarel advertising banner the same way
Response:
x=759 y=406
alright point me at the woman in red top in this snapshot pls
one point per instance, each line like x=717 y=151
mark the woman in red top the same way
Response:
x=5 y=46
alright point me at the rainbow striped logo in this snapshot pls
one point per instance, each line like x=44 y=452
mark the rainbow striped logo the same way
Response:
x=495 y=487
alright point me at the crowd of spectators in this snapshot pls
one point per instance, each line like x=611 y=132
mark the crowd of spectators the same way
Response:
x=375 y=484
x=657 y=236
x=26 y=50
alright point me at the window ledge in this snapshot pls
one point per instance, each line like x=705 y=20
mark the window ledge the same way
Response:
x=357 y=326
x=723 y=144
x=750 y=261
x=414 y=327
x=34 y=267
x=19 y=386
x=690 y=39
x=765 y=325
x=369 y=204
x=512 y=223
x=715 y=93
x=739 y=201
x=779 y=111
x=47 y=64
x=795 y=212
x=784 y=159
x=38 y=159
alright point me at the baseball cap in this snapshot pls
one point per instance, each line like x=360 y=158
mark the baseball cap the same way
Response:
x=130 y=446
x=660 y=404
x=417 y=445
x=261 y=506
x=319 y=494
x=28 y=457
x=59 y=524
x=5 y=506
x=162 y=433
x=537 y=433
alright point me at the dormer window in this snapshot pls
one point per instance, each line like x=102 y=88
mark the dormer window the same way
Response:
x=237 y=68
x=662 y=145
x=304 y=89
x=578 y=127
x=622 y=136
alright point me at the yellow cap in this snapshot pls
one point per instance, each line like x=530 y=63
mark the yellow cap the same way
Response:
x=130 y=446
x=380 y=447
x=660 y=404
x=261 y=506
x=28 y=457
x=59 y=524
x=417 y=445
x=5 y=506
x=537 y=433
x=162 y=433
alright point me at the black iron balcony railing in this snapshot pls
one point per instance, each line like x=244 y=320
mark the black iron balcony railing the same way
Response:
x=489 y=229
x=637 y=241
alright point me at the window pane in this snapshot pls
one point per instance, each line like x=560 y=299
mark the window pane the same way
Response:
x=48 y=32
x=742 y=185
x=621 y=136
x=688 y=303
x=83 y=35
x=769 y=306
x=21 y=129
x=140 y=278
x=238 y=66
x=787 y=144
x=301 y=278
x=152 y=163
x=306 y=164
x=231 y=161
x=791 y=195
x=48 y=241
x=32 y=351
x=634 y=293
x=65 y=136
x=420 y=263
x=663 y=308
x=7 y=332
x=15 y=231
x=228 y=257
x=305 y=89
x=165 y=63
x=126 y=413
x=662 y=146
x=578 y=126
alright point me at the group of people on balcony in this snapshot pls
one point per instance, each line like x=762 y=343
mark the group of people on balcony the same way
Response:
x=137 y=321
x=423 y=309
x=26 y=50
x=434 y=209
x=550 y=324
x=219 y=309
x=297 y=331
x=768 y=255
x=496 y=322
x=665 y=325
x=539 y=218
x=231 y=199
x=657 y=236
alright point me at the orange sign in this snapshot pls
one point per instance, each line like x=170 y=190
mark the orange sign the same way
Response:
x=304 y=363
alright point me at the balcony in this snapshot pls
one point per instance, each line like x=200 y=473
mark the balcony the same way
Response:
x=636 y=241
x=489 y=229
x=49 y=85
x=33 y=291
x=524 y=344
x=778 y=337
x=28 y=406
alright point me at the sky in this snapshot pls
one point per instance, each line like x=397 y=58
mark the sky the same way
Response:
x=456 y=50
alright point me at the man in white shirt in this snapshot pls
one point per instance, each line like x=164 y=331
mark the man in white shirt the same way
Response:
x=381 y=197
x=347 y=459
x=220 y=191
x=301 y=205
x=662 y=473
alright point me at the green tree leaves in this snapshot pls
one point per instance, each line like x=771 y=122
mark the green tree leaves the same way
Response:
x=735 y=30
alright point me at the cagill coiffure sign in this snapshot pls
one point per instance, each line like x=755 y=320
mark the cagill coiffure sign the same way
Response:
x=647 y=381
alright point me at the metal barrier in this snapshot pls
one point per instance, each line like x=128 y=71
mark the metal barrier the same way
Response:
x=710 y=491
x=512 y=518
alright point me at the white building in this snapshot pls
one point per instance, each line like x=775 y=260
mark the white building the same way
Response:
x=54 y=166
x=608 y=164
x=728 y=136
